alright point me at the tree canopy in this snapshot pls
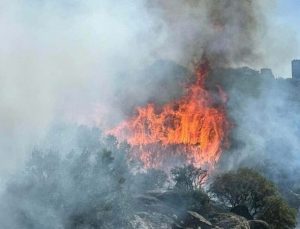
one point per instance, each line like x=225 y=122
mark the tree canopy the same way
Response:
x=248 y=188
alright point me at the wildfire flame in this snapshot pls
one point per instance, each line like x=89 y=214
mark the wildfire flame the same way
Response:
x=194 y=128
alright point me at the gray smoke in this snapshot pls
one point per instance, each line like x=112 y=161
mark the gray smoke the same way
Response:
x=63 y=60
x=226 y=31
x=72 y=60
x=232 y=33
x=91 y=62
x=84 y=61
x=266 y=128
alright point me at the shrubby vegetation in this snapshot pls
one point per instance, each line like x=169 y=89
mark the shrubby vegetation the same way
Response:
x=242 y=187
x=277 y=213
x=246 y=187
x=287 y=185
x=94 y=186
x=188 y=178
x=86 y=189
x=188 y=181
x=91 y=186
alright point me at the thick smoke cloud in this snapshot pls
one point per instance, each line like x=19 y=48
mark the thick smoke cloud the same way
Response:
x=85 y=61
x=232 y=33
x=226 y=31
x=91 y=62
x=267 y=122
x=59 y=58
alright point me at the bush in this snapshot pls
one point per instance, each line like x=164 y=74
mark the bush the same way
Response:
x=88 y=188
x=242 y=187
x=188 y=178
x=188 y=188
x=196 y=200
x=278 y=214
x=247 y=187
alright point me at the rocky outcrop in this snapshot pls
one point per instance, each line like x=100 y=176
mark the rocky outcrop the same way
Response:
x=158 y=209
x=229 y=221
x=147 y=220
x=194 y=220
x=258 y=224
x=199 y=218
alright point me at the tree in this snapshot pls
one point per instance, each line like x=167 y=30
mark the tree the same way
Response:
x=248 y=188
x=188 y=178
x=278 y=214
x=242 y=187
x=86 y=188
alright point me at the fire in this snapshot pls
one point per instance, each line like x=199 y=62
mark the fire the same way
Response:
x=193 y=128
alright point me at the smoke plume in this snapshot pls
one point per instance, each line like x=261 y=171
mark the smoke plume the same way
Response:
x=86 y=61
x=226 y=31
x=92 y=62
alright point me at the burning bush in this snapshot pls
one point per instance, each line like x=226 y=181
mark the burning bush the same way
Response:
x=193 y=128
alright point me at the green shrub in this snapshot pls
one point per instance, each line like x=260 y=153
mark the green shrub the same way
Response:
x=278 y=214
x=247 y=187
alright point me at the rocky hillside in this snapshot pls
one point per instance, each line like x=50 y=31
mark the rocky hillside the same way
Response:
x=156 y=210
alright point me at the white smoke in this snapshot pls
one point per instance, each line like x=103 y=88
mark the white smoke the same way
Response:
x=59 y=57
x=73 y=59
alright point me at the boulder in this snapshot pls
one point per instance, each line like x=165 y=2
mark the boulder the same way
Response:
x=199 y=218
x=146 y=220
x=229 y=221
x=258 y=224
x=195 y=220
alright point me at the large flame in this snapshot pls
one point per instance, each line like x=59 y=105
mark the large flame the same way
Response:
x=193 y=128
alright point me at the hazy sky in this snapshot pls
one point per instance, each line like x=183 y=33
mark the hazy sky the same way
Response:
x=287 y=16
x=288 y=12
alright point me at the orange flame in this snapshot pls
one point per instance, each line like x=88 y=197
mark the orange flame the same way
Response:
x=194 y=128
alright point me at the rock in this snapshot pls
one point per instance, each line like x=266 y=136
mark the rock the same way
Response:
x=229 y=221
x=146 y=220
x=242 y=210
x=177 y=226
x=195 y=220
x=200 y=218
x=147 y=199
x=258 y=224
